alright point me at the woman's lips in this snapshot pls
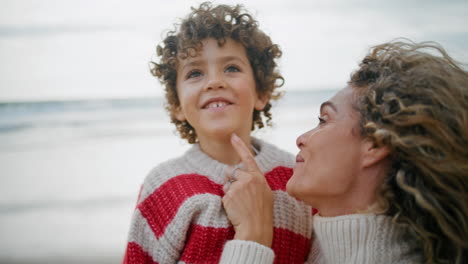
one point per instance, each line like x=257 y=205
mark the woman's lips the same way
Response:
x=299 y=158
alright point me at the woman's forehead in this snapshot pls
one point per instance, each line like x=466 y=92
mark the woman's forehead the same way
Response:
x=342 y=99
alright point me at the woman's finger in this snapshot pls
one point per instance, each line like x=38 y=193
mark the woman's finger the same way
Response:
x=249 y=207
x=244 y=153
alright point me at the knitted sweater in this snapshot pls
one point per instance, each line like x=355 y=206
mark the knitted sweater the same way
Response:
x=359 y=238
x=180 y=217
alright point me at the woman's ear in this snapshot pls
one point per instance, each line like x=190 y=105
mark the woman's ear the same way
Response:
x=373 y=154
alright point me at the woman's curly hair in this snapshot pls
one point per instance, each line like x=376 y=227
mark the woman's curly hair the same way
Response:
x=220 y=22
x=413 y=98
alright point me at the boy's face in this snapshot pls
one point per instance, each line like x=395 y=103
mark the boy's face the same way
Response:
x=216 y=90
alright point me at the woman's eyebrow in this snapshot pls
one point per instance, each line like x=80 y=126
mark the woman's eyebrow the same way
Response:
x=328 y=103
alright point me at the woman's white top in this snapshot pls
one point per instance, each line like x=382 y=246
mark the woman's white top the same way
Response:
x=357 y=238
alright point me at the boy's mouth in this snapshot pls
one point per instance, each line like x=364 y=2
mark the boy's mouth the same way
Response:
x=216 y=103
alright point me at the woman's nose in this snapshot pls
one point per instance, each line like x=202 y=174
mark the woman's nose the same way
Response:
x=300 y=141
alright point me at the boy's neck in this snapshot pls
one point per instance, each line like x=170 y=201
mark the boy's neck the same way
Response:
x=222 y=149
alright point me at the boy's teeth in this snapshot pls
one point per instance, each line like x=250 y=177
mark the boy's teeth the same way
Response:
x=216 y=104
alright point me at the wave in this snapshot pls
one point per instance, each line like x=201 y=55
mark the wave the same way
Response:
x=32 y=125
x=20 y=116
x=91 y=203
x=78 y=105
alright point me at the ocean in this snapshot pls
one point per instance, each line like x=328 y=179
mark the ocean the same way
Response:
x=71 y=170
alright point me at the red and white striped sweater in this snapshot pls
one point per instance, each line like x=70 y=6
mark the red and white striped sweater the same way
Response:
x=180 y=217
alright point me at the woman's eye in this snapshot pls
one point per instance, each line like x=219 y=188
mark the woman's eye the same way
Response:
x=321 y=120
x=232 y=68
x=193 y=74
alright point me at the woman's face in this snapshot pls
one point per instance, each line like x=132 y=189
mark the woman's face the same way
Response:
x=328 y=164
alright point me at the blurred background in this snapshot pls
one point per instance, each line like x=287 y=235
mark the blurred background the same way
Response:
x=82 y=120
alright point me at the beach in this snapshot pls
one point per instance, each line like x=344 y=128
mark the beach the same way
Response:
x=71 y=171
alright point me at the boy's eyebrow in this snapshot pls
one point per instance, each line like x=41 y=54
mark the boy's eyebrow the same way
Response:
x=328 y=103
x=198 y=62
x=191 y=63
x=232 y=57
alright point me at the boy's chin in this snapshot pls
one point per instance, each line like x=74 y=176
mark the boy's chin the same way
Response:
x=221 y=131
x=219 y=134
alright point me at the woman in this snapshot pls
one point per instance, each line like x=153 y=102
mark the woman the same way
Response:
x=386 y=168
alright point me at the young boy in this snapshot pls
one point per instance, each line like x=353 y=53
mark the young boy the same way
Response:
x=220 y=74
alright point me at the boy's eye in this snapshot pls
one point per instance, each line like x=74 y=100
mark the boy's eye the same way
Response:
x=193 y=74
x=232 y=68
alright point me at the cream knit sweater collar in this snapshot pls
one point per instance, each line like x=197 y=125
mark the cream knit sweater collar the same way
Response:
x=359 y=238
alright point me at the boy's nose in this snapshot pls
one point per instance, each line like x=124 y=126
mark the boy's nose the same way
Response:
x=215 y=83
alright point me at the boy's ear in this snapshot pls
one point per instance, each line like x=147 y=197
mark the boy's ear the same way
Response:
x=261 y=102
x=179 y=114
x=373 y=154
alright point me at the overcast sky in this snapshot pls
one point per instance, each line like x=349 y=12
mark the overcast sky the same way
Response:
x=69 y=49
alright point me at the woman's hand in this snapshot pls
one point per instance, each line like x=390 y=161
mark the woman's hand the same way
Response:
x=248 y=199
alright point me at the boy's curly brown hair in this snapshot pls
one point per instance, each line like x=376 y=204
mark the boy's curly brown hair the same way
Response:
x=220 y=22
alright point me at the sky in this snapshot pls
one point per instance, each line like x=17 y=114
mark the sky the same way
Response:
x=88 y=49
